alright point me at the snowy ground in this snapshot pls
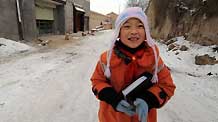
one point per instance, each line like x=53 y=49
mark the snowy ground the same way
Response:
x=54 y=86
x=9 y=47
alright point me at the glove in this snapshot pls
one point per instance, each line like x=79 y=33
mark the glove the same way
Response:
x=110 y=96
x=125 y=107
x=141 y=109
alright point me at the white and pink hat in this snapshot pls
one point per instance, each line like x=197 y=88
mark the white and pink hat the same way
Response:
x=132 y=12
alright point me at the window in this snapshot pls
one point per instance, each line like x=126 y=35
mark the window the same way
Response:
x=44 y=26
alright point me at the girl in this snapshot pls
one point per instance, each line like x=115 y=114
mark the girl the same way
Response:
x=132 y=53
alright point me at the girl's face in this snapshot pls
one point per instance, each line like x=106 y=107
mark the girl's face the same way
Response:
x=132 y=33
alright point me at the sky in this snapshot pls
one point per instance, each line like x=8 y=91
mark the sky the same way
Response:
x=54 y=85
x=107 y=6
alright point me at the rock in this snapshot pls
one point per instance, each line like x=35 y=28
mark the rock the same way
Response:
x=83 y=34
x=205 y=59
x=171 y=46
x=215 y=49
x=209 y=74
x=2 y=104
x=170 y=41
x=175 y=48
x=183 y=48
x=2 y=44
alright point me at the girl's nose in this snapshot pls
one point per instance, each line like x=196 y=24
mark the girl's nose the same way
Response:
x=134 y=31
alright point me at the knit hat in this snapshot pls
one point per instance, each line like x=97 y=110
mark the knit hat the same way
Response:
x=132 y=12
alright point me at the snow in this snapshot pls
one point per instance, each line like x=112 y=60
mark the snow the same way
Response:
x=54 y=85
x=196 y=96
x=9 y=47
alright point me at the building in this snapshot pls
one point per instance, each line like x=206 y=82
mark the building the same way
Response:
x=113 y=17
x=17 y=20
x=77 y=15
x=98 y=20
x=49 y=17
x=101 y=20
x=28 y=19
x=81 y=14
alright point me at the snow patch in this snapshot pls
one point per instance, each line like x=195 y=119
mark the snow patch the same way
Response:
x=9 y=47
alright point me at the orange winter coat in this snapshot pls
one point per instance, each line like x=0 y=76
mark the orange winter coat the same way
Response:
x=119 y=73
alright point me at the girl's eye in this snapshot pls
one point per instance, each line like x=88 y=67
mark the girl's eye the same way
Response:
x=141 y=26
x=126 y=26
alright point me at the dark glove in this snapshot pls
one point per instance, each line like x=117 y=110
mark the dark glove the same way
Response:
x=110 y=96
x=141 y=109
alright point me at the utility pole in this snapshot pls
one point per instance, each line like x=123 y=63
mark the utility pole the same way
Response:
x=20 y=27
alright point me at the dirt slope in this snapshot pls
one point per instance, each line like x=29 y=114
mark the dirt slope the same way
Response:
x=197 y=20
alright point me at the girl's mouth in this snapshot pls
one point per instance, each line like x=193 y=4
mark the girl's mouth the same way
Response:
x=133 y=38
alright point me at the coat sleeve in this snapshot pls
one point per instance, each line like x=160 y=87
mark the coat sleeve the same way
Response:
x=165 y=87
x=157 y=95
x=98 y=80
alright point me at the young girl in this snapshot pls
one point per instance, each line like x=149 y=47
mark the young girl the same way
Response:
x=132 y=54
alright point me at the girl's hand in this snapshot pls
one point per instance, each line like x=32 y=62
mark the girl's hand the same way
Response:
x=141 y=109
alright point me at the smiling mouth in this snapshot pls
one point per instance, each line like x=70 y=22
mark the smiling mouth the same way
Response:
x=133 y=38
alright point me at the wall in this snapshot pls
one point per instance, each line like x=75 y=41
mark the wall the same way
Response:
x=86 y=6
x=8 y=20
x=96 y=19
x=69 y=17
x=60 y=20
x=9 y=24
x=53 y=12
x=69 y=14
x=113 y=17
x=29 y=22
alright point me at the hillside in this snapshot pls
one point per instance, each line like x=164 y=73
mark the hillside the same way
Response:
x=197 y=20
